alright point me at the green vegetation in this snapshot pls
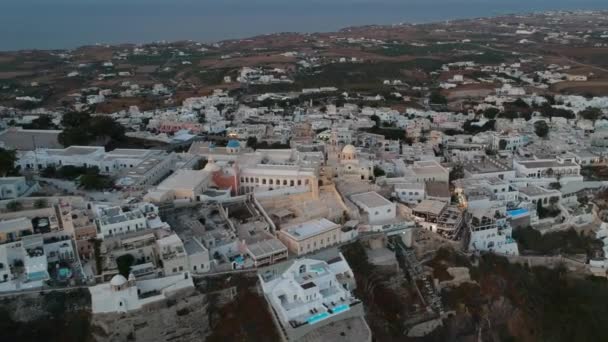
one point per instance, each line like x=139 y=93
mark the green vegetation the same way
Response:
x=437 y=98
x=88 y=177
x=413 y=50
x=549 y=112
x=551 y=211
x=562 y=242
x=541 y=129
x=491 y=113
x=354 y=76
x=92 y=180
x=42 y=122
x=124 y=263
x=591 y=114
x=83 y=129
x=7 y=162
x=41 y=203
x=388 y=133
x=378 y=172
x=457 y=172
x=14 y=206
x=486 y=57
x=213 y=76
x=471 y=127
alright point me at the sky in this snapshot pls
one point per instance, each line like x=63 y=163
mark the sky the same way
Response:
x=47 y=24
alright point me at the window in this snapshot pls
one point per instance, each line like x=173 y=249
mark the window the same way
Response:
x=195 y=267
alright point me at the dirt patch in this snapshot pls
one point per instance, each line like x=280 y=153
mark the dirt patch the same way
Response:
x=7 y=75
x=595 y=88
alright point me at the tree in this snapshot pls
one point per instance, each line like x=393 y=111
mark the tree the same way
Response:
x=14 y=206
x=491 y=113
x=7 y=162
x=75 y=119
x=92 y=180
x=42 y=122
x=437 y=98
x=376 y=119
x=48 y=172
x=541 y=129
x=82 y=129
x=509 y=114
x=124 y=263
x=457 y=172
x=252 y=142
x=519 y=103
x=378 y=172
x=40 y=203
x=73 y=136
x=591 y=114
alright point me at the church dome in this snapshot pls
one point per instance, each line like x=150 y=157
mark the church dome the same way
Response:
x=118 y=280
x=349 y=149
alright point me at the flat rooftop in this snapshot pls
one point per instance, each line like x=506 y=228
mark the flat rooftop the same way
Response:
x=30 y=139
x=310 y=228
x=431 y=207
x=532 y=164
x=438 y=189
x=184 y=179
x=485 y=166
x=371 y=199
x=410 y=186
x=266 y=247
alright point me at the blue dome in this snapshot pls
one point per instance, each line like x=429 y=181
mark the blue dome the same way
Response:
x=233 y=144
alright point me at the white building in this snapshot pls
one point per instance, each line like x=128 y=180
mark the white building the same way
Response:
x=492 y=235
x=172 y=254
x=198 y=256
x=410 y=192
x=113 y=221
x=548 y=168
x=14 y=187
x=379 y=210
x=310 y=236
x=122 y=295
x=310 y=294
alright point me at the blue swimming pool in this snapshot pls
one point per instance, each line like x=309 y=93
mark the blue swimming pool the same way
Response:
x=318 y=317
x=340 y=308
x=517 y=212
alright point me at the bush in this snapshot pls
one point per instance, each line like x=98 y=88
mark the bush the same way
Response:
x=40 y=203
x=14 y=206
x=124 y=263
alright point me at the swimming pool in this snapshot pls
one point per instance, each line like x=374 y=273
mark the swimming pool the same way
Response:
x=340 y=308
x=318 y=317
x=517 y=212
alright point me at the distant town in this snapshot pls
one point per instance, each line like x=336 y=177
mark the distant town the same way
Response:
x=444 y=181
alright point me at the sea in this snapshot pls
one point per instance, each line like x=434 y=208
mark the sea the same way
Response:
x=60 y=24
